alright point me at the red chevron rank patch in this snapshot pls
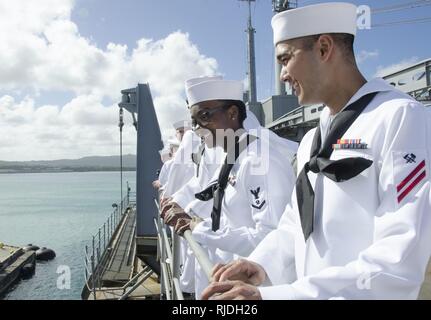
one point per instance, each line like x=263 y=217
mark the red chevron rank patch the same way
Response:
x=414 y=177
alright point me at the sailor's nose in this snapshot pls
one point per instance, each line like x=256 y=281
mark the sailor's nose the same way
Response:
x=284 y=76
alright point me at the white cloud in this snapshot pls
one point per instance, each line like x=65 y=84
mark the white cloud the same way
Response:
x=80 y=128
x=387 y=70
x=365 y=55
x=42 y=51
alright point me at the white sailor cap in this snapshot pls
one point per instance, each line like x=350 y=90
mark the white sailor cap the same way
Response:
x=186 y=124
x=193 y=81
x=332 y=17
x=215 y=90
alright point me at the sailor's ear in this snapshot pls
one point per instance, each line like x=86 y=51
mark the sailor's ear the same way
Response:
x=325 y=45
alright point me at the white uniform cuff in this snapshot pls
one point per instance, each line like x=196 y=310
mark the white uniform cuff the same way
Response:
x=284 y=292
x=201 y=230
x=263 y=258
x=181 y=200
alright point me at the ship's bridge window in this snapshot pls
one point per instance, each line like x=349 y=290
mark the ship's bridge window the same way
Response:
x=313 y=110
x=418 y=76
x=393 y=84
x=320 y=108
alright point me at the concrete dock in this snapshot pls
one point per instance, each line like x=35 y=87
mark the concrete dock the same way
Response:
x=12 y=261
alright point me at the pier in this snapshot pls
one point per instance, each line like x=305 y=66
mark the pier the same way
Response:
x=12 y=261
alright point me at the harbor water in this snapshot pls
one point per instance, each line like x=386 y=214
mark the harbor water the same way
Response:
x=60 y=211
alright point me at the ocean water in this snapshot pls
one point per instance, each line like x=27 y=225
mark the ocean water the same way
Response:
x=60 y=211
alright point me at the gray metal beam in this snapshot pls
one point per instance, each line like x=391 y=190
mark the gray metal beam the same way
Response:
x=138 y=100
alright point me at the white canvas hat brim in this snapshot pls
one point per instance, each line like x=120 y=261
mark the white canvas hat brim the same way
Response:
x=333 y=17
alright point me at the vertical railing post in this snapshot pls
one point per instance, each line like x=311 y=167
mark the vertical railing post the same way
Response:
x=128 y=192
x=93 y=276
x=86 y=263
x=104 y=236
x=112 y=228
x=99 y=249
x=176 y=257
x=94 y=247
x=163 y=260
x=115 y=219
x=98 y=268
x=93 y=273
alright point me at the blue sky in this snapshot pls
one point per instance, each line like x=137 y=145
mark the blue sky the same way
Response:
x=65 y=61
x=217 y=28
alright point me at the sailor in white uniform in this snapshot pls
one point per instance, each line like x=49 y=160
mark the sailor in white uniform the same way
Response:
x=173 y=145
x=359 y=223
x=166 y=156
x=251 y=188
x=212 y=159
x=206 y=161
x=182 y=168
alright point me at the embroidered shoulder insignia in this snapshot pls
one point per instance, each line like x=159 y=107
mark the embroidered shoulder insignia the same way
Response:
x=259 y=206
x=410 y=158
x=255 y=193
x=257 y=202
x=412 y=180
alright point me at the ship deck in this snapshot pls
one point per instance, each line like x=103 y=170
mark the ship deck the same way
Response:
x=119 y=267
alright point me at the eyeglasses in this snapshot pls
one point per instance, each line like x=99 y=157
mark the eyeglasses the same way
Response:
x=203 y=117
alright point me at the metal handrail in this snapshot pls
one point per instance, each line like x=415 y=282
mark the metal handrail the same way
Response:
x=199 y=253
x=100 y=244
x=170 y=275
x=178 y=291
x=148 y=272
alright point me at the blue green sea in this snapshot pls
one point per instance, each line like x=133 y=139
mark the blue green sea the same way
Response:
x=60 y=211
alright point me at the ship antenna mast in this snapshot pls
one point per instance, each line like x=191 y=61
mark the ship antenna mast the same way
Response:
x=251 y=57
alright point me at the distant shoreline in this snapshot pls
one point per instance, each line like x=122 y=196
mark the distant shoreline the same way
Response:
x=23 y=171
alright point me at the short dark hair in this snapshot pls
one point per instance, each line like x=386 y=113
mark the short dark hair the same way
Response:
x=343 y=40
x=241 y=108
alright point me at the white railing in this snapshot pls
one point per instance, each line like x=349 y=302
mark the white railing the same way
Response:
x=168 y=253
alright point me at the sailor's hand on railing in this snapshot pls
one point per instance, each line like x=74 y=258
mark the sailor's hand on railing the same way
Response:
x=244 y=270
x=186 y=223
x=182 y=225
x=173 y=214
x=164 y=201
x=165 y=205
x=231 y=290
